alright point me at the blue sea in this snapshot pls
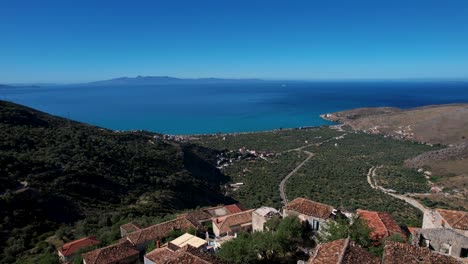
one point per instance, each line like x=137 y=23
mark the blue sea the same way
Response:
x=228 y=107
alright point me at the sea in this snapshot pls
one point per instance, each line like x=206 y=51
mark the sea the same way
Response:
x=228 y=107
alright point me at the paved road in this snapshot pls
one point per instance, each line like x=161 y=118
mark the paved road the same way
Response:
x=284 y=199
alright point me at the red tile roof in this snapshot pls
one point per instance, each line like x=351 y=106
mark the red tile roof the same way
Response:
x=159 y=231
x=223 y=210
x=342 y=251
x=310 y=208
x=72 y=247
x=196 y=217
x=456 y=219
x=184 y=255
x=225 y=223
x=111 y=254
x=234 y=208
x=397 y=253
x=382 y=224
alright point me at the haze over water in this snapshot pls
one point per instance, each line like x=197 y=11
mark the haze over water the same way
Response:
x=240 y=107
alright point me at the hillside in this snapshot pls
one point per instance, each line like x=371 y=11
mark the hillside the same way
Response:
x=55 y=171
x=441 y=124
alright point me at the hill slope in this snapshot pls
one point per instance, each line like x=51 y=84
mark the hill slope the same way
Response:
x=54 y=171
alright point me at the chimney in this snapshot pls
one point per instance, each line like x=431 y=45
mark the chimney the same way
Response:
x=158 y=244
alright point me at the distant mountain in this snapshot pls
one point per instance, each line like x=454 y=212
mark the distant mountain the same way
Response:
x=4 y=86
x=165 y=80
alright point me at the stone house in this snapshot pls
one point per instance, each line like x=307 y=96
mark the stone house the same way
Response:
x=442 y=218
x=120 y=253
x=143 y=237
x=443 y=240
x=398 y=253
x=382 y=224
x=261 y=216
x=314 y=213
x=233 y=223
x=68 y=251
x=341 y=251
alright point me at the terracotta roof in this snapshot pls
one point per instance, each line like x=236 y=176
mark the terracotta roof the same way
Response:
x=382 y=224
x=110 y=254
x=130 y=227
x=342 y=251
x=72 y=247
x=159 y=231
x=196 y=217
x=223 y=210
x=310 y=208
x=412 y=229
x=225 y=223
x=456 y=219
x=397 y=253
x=184 y=255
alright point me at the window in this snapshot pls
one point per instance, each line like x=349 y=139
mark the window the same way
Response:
x=464 y=253
x=315 y=225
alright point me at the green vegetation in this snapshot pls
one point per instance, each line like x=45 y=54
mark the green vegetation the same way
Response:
x=261 y=178
x=337 y=175
x=357 y=230
x=76 y=172
x=401 y=179
x=274 y=246
x=274 y=141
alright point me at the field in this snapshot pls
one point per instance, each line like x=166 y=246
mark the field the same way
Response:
x=336 y=175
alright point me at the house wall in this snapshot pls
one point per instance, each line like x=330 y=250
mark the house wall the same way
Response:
x=216 y=230
x=435 y=220
x=438 y=237
x=258 y=222
x=306 y=218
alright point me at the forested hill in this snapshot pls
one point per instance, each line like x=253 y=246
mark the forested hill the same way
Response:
x=54 y=170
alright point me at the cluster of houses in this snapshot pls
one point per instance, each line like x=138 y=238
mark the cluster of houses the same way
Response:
x=443 y=238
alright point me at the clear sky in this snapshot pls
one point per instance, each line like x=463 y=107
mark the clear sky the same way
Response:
x=74 y=41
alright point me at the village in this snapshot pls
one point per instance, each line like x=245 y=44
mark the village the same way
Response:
x=443 y=237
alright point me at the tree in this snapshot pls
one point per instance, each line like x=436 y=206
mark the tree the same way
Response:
x=356 y=229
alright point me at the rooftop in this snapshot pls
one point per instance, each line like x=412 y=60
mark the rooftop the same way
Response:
x=72 y=247
x=223 y=210
x=188 y=239
x=159 y=231
x=110 y=254
x=342 y=251
x=397 y=253
x=310 y=208
x=224 y=223
x=456 y=219
x=382 y=224
x=130 y=227
x=185 y=255
x=264 y=211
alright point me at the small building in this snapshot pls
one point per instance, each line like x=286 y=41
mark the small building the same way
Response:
x=442 y=218
x=261 y=216
x=186 y=254
x=233 y=223
x=121 y=253
x=198 y=217
x=382 y=224
x=188 y=239
x=223 y=210
x=143 y=237
x=128 y=228
x=398 y=253
x=314 y=213
x=443 y=240
x=68 y=251
x=341 y=251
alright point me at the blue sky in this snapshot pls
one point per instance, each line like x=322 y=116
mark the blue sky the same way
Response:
x=74 y=41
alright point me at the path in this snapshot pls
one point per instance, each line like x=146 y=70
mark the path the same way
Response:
x=284 y=199
x=428 y=213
